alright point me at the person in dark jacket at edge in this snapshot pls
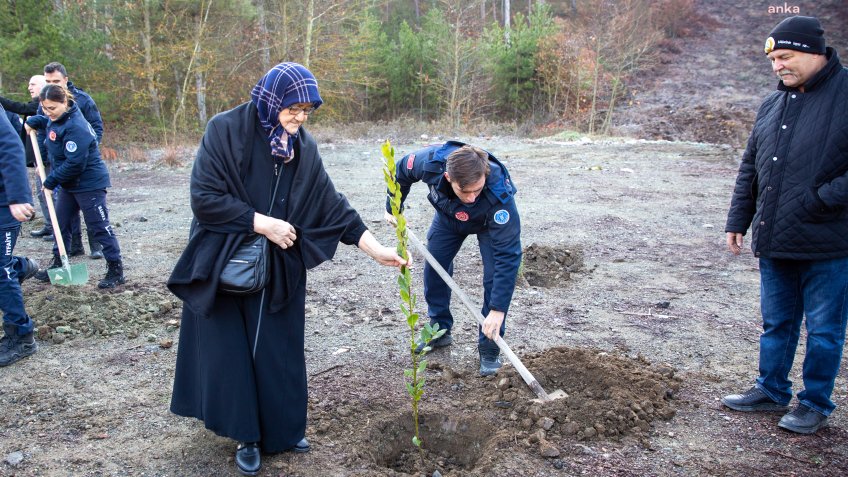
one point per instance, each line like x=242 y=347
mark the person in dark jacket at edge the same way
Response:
x=473 y=195
x=36 y=83
x=82 y=175
x=241 y=367
x=18 y=340
x=793 y=187
x=55 y=73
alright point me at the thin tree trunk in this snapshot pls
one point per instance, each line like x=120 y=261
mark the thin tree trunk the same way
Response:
x=417 y=13
x=200 y=85
x=201 y=23
x=506 y=20
x=265 y=53
x=155 y=103
x=454 y=94
x=307 y=43
x=595 y=81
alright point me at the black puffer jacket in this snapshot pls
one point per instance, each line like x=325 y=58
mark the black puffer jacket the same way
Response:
x=793 y=180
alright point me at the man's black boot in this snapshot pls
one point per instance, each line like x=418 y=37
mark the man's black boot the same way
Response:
x=114 y=275
x=248 y=458
x=28 y=268
x=753 y=399
x=42 y=275
x=8 y=331
x=76 y=246
x=14 y=347
x=46 y=230
x=490 y=360
x=95 y=246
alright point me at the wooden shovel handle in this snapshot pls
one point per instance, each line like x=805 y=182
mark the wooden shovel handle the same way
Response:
x=475 y=311
x=48 y=195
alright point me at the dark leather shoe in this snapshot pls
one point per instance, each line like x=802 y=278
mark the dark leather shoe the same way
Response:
x=48 y=238
x=753 y=399
x=301 y=447
x=248 y=459
x=41 y=233
x=803 y=420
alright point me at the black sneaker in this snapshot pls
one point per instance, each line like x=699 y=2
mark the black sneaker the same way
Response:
x=440 y=342
x=29 y=268
x=753 y=399
x=16 y=348
x=803 y=420
x=490 y=358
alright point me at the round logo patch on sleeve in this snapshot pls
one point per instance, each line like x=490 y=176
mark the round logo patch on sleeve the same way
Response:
x=461 y=216
x=71 y=146
x=501 y=217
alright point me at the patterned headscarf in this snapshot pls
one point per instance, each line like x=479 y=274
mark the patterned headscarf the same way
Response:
x=286 y=84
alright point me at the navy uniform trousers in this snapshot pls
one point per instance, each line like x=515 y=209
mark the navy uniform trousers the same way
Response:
x=444 y=240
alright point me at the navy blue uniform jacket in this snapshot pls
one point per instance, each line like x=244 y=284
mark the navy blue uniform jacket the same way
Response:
x=494 y=210
x=793 y=180
x=14 y=186
x=72 y=147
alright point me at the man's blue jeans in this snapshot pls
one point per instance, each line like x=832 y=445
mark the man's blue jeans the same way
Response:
x=790 y=290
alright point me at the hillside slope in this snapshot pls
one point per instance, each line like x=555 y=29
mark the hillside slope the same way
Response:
x=710 y=91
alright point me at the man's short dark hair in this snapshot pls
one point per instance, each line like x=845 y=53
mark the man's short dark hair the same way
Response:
x=55 y=66
x=467 y=164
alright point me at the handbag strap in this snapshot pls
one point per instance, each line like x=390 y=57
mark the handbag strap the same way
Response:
x=274 y=193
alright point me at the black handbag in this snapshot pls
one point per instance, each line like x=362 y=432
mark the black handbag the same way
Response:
x=248 y=270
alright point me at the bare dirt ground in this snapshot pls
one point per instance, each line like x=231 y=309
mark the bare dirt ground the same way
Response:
x=641 y=316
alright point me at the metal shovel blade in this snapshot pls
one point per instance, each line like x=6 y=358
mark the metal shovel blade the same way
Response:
x=68 y=274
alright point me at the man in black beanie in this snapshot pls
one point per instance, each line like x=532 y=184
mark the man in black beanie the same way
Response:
x=793 y=187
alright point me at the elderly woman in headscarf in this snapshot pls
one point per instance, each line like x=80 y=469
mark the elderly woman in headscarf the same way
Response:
x=241 y=365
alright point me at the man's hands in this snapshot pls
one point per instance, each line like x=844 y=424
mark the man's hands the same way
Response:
x=278 y=231
x=734 y=242
x=22 y=212
x=492 y=324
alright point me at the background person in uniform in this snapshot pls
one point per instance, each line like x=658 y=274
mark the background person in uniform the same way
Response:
x=82 y=175
x=473 y=195
x=36 y=83
x=241 y=366
x=18 y=340
x=55 y=73
x=793 y=186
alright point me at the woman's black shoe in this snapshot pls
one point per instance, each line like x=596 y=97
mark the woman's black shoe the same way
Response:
x=301 y=447
x=248 y=459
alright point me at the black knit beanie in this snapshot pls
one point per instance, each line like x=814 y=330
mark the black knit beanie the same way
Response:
x=797 y=33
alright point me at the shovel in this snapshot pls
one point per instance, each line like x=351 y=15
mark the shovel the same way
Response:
x=516 y=363
x=68 y=274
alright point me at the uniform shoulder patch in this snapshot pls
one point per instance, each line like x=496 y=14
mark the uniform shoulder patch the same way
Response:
x=52 y=135
x=71 y=146
x=501 y=217
x=461 y=216
x=410 y=161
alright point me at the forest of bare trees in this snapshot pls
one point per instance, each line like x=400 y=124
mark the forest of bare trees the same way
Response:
x=166 y=66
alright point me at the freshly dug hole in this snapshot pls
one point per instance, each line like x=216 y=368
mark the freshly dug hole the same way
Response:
x=450 y=443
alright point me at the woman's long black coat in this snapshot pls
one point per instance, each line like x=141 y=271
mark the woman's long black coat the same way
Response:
x=218 y=379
